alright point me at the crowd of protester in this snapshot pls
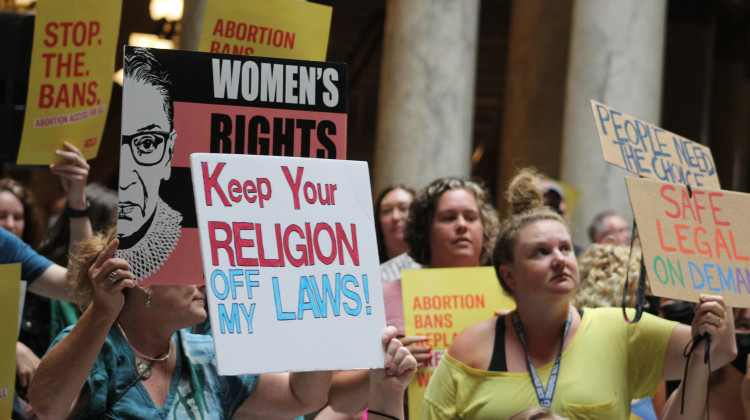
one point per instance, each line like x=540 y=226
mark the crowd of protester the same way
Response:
x=95 y=343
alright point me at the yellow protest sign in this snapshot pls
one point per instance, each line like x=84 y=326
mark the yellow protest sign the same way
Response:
x=652 y=152
x=10 y=283
x=269 y=28
x=694 y=241
x=439 y=303
x=70 y=81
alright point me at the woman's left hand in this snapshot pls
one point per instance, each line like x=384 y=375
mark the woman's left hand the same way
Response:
x=73 y=174
x=399 y=365
x=713 y=318
x=26 y=364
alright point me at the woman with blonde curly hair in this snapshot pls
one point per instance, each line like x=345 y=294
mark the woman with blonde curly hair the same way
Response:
x=603 y=269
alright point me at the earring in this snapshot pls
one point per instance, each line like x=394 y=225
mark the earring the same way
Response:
x=148 y=299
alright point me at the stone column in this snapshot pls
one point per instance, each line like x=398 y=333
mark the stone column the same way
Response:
x=192 y=24
x=616 y=57
x=426 y=98
x=534 y=90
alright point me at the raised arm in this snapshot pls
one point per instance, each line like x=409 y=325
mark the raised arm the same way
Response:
x=712 y=318
x=74 y=174
x=60 y=379
x=53 y=282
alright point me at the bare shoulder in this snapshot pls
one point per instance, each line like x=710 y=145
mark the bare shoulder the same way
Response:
x=474 y=345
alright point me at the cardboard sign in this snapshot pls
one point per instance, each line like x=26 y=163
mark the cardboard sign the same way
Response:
x=647 y=150
x=10 y=281
x=269 y=28
x=70 y=81
x=694 y=242
x=439 y=303
x=290 y=261
x=176 y=103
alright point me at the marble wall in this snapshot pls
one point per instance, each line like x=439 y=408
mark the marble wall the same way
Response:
x=426 y=98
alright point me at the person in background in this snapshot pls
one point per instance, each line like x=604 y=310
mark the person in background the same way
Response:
x=129 y=357
x=17 y=211
x=603 y=269
x=554 y=198
x=451 y=224
x=55 y=246
x=728 y=387
x=609 y=227
x=44 y=278
x=391 y=212
x=601 y=363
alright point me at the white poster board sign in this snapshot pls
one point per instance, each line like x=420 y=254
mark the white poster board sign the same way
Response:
x=290 y=262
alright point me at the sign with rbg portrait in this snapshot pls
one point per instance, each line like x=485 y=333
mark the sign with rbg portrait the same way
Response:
x=176 y=103
x=290 y=261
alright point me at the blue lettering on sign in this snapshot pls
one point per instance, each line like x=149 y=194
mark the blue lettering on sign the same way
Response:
x=692 y=267
x=324 y=298
x=229 y=322
x=280 y=314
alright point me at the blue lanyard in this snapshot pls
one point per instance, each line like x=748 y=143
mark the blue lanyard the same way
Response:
x=544 y=397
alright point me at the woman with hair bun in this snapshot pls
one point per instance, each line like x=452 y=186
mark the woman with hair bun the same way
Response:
x=580 y=363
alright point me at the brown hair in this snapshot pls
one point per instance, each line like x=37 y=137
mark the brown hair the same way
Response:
x=422 y=211
x=527 y=206
x=88 y=252
x=378 y=227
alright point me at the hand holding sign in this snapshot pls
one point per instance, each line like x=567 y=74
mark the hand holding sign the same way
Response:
x=399 y=366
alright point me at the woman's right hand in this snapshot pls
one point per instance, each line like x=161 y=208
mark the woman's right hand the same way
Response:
x=399 y=366
x=108 y=289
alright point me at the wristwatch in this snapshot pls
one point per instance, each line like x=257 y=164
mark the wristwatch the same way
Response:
x=74 y=214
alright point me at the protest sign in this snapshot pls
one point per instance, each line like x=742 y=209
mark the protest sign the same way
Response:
x=176 y=103
x=10 y=281
x=70 y=81
x=695 y=241
x=269 y=28
x=439 y=303
x=290 y=262
x=652 y=152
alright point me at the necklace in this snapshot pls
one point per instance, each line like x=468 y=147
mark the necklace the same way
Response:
x=141 y=367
